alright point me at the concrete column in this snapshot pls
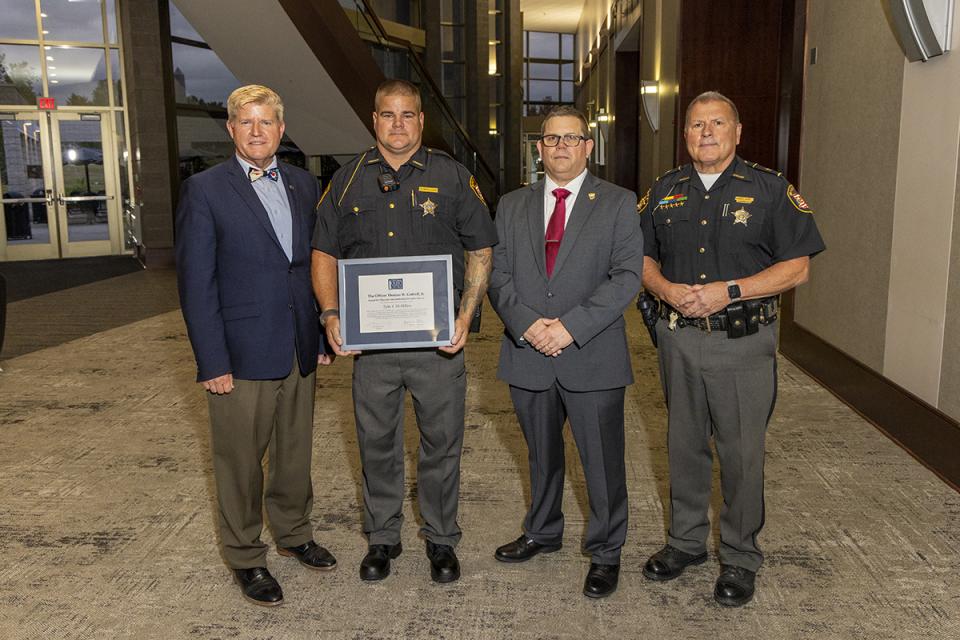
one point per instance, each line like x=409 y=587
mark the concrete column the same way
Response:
x=145 y=32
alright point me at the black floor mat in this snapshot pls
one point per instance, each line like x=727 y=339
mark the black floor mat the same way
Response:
x=37 y=277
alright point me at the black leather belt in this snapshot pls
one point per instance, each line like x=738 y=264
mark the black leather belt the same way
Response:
x=762 y=311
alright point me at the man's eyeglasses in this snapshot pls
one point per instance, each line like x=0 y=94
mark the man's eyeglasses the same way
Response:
x=570 y=140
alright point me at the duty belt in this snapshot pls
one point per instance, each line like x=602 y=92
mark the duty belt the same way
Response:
x=738 y=319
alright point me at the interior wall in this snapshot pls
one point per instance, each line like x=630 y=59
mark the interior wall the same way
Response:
x=658 y=61
x=848 y=173
x=950 y=375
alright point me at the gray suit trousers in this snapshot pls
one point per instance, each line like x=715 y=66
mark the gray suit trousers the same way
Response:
x=438 y=384
x=596 y=420
x=256 y=416
x=723 y=388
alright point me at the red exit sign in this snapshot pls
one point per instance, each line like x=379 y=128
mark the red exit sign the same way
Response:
x=47 y=104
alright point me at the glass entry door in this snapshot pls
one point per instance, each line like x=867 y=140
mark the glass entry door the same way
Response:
x=58 y=181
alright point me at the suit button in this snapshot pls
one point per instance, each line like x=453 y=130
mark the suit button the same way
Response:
x=289 y=306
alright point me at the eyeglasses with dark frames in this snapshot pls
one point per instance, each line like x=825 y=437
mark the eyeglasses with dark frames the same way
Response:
x=569 y=139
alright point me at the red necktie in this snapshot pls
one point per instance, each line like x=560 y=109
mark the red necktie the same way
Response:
x=555 y=228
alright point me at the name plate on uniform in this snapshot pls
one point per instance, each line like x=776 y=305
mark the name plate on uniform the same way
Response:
x=396 y=303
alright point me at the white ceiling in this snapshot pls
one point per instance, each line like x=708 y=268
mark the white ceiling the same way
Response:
x=551 y=15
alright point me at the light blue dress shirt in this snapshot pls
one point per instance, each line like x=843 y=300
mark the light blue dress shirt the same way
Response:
x=273 y=196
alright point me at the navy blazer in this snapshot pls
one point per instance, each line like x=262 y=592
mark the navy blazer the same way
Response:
x=246 y=306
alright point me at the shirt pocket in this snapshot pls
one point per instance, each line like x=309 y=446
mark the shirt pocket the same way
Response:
x=357 y=226
x=437 y=218
x=743 y=227
x=671 y=226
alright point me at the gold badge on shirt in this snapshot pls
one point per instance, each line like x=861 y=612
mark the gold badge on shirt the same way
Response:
x=429 y=208
x=740 y=216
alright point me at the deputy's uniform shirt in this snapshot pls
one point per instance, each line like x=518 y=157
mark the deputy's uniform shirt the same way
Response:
x=438 y=209
x=750 y=219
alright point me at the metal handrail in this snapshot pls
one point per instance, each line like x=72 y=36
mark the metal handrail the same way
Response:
x=381 y=32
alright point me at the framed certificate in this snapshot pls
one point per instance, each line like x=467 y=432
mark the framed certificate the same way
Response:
x=396 y=303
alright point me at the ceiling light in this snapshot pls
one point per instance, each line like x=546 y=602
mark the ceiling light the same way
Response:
x=54 y=82
x=50 y=58
x=43 y=15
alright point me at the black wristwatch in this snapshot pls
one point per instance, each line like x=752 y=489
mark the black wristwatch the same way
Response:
x=733 y=290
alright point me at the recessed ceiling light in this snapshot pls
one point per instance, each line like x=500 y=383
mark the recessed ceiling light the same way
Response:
x=43 y=15
x=50 y=58
x=54 y=81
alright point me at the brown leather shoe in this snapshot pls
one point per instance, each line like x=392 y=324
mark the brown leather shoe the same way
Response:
x=311 y=555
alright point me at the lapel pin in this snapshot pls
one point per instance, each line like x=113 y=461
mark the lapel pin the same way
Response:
x=592 y=195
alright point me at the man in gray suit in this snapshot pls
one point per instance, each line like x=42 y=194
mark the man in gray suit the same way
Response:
x=568 y=263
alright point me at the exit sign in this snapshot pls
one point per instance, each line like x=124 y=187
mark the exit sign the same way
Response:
x=47 y=104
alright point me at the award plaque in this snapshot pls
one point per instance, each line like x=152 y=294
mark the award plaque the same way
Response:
x=396 y=303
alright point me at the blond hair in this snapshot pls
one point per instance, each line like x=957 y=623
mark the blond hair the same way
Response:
x=256 y=94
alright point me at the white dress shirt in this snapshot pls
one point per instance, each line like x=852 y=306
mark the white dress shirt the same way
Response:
x=550 y=201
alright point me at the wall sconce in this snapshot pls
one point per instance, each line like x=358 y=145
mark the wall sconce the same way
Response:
x=650 y=98
x=603 y=122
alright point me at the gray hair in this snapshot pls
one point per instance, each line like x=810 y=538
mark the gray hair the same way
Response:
x=711 y=96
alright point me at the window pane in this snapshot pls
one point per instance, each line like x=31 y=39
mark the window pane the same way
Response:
x=566 y=71
x=77 y=76
x=453 y=84
x=543 y=45
x=117 y=77
x=67 y=20
x=19 y=74
x=566 y=92
x=452 y=40
x=19 y=20
x=544 y=71
x=200 y=77
x=567 y=46
x=543 y=91
x=203 y=142
x=21 y=176
x=179 y=26
x=111 y=21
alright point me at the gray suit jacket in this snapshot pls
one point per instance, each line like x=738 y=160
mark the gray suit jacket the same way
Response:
x=596 y=275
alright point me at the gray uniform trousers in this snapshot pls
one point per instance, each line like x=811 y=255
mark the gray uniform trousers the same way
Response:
x=259 y=415
x=596 y=420
x=726 y=388
x=438 y=384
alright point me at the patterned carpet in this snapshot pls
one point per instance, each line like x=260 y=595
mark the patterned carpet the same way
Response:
x=107 y=524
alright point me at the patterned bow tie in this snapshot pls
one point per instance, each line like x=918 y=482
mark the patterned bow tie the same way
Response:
x=255 y=174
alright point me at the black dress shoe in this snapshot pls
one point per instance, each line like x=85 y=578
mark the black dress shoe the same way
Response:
x=376 y=564
x=669 y=562
x=444 y=566
x=258 y=586
x=601 y=580
x=310 y=554
x=734 y=586
x=522 y=549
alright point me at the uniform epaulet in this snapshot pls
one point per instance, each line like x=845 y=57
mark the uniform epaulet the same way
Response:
x=357 y=161
x=670 y=173
x=438 y=152
x=760 y=167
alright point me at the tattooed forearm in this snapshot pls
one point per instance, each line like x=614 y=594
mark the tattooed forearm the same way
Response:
x=475 y=280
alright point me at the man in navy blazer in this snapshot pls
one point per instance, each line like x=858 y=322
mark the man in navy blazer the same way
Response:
x=243 y=270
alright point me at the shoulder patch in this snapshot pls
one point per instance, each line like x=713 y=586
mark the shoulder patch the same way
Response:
x=797 y=200
x=476 y=190
x=760 y=167
x=325 y=192
x=643 y=202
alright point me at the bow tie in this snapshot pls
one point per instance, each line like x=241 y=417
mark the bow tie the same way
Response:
x=255 y=174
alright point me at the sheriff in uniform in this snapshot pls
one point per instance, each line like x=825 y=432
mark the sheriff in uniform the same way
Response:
x=722 y=238
x=402 y=199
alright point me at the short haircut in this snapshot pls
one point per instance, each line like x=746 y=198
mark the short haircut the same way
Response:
x=565 y=110
x=395 y=87
x=711 y=96
x=256 y=94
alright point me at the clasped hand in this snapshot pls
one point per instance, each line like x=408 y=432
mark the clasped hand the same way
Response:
x=698 y=300
x=548 y=336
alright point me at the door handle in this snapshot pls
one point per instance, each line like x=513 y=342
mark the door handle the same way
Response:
x=49 y=193
x=60 y=199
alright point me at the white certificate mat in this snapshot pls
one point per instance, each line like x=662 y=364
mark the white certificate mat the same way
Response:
x=396 y=302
